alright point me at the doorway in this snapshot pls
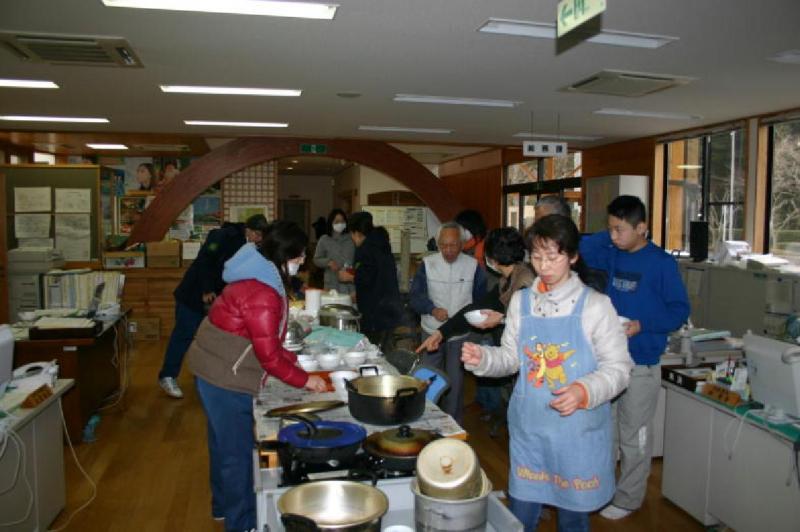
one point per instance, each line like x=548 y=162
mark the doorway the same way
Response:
x=297 y=211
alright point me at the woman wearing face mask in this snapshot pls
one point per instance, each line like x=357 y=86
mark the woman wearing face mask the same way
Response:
x=335 y=252
x=237 y=348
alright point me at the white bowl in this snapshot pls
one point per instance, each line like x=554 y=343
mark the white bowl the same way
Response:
x=354 y=358
x=309 y=365
x=27 y=315
x=475 y=317
x=328 y=361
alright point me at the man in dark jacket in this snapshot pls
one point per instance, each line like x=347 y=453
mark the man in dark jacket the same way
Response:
x=377 y=291
x=200 y=285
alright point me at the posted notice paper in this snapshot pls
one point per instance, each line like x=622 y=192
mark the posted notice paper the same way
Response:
x=32 y=225
x=74 y=236
x=73 y=200
x=32 y=199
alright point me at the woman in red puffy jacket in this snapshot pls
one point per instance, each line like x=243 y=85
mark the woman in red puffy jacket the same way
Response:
x=236 y=349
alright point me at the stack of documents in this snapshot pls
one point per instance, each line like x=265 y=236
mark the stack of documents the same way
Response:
x=64 y=323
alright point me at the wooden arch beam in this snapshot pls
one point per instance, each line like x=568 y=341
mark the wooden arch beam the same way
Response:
x=241 y=153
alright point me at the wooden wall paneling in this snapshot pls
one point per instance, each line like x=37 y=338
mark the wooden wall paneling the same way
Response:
x=760 y=242
x=244 y=152
x=657 y=196
x=633 y=157
x=480 y=190
x=470 y=163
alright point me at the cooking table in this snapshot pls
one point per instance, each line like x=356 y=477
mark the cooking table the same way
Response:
x=277 y=394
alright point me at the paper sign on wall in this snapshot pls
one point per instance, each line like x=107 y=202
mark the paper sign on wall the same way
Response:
x=32 y=199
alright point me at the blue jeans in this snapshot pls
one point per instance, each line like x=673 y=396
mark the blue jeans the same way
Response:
x=187 y=320
x=529 y=512
x=230 y=454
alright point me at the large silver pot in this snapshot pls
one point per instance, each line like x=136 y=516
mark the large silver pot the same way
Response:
x=333 y=505
x=342 y=317
x=441 y=515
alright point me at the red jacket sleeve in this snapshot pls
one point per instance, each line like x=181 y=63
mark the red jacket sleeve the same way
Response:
x=262 y=311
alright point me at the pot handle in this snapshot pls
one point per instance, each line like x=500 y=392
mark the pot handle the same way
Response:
x=371 y=369
x=309 y=423
x=405 y=392
x=298 y=523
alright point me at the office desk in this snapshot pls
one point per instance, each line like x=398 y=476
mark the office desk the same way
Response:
x=40 y=430
x=94 y=364
x=719 y=466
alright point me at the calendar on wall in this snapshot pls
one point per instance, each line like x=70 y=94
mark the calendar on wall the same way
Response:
x=256 y=185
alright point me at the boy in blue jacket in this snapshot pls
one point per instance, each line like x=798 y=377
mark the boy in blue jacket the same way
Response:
x=645 y=286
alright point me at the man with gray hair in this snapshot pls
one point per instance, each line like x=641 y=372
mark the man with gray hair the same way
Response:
x=444 y=283
x=547 y=205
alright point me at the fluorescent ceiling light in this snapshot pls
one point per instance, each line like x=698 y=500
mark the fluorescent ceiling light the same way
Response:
x=234 y=124
x=525 y=135
x=690 y=166
x=107 y=146
x=453 y=100
x=547 y=30
x=646 y=114
x=787 y=56
x=237 y=91
x=82 y=120
x=268 y=8
x=27 y=84
x=397 y=129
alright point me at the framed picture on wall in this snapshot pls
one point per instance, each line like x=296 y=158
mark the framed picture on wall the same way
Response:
x=240 y=213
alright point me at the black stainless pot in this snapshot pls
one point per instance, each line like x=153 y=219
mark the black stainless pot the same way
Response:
x=386 y=399
x=318 y=442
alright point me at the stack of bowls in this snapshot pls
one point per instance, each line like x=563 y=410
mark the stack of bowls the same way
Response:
x=308 y=362
x=329 y=361
x=355 y=358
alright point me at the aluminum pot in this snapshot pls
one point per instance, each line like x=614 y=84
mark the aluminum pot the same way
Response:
x=342 y=317
x=386 y=399
x=333 y=505
x=440 y=515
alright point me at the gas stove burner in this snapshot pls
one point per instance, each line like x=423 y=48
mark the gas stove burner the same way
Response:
x=362 y=467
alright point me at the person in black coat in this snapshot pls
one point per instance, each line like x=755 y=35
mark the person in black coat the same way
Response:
x=377 y=291
x=200 y=285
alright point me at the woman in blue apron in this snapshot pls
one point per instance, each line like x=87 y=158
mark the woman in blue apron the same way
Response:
x=566 y=341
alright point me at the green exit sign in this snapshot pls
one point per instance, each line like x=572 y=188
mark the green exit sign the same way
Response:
x=313 y=148
x=573 y=13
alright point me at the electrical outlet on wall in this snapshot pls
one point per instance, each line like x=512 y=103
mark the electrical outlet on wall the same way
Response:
x=133 y=326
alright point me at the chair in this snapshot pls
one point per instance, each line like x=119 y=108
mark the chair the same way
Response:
x=439 y=383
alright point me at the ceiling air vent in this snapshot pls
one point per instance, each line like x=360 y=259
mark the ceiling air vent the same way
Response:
x=630 y=84
x=89 y=50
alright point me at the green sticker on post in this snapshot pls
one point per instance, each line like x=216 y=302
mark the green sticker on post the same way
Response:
x=573 y=13
x=313 y=148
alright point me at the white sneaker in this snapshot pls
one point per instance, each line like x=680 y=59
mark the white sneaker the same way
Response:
x=170 y=387
x=615 y=512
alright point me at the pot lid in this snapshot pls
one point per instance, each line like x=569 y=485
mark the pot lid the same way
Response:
x=322 y=434
x=402 y=441
x=447 y=463
x=304 y=408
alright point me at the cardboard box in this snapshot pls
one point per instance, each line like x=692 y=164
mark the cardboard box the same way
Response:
x=146 y=328
x=165 y=254
x=120 y=260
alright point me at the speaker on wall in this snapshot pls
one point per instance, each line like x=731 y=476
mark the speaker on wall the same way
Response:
x=698 y=240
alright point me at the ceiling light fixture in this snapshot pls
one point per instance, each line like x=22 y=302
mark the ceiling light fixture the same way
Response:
x=690 y=166
x=547 y=30
x=453 y=100
x=527 y=135
x=107 y=146
x=290 y=167
x=269 y=8
x=27 y=84
x=787 y=56
x=397 y=129
x=295 y=161
x=234 y=124
x=82 y=120
x=646 y=114
x=236 y=91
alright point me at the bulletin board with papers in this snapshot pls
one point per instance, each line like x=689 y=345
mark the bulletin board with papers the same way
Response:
x=54 y=206
x=398 y=219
